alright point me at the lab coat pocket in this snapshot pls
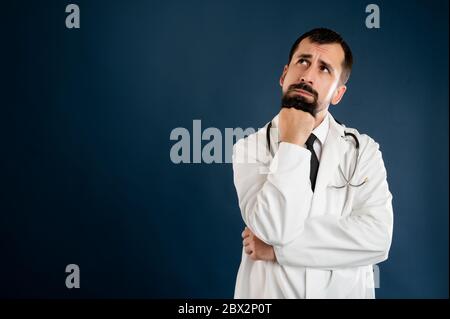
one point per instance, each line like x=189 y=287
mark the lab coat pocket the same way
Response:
x=338 y=198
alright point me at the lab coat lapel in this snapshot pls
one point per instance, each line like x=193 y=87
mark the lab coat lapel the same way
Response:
x=332 y=154
x=275 y=135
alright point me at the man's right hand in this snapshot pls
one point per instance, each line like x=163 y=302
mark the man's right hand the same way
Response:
x=295 y=126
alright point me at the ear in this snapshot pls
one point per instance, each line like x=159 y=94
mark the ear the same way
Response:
x=283 y=75
x=338 y=94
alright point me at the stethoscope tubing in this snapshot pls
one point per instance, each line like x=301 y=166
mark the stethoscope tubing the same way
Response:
x=347 y=181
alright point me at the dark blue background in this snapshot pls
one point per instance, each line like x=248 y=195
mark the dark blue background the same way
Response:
x=87 y=114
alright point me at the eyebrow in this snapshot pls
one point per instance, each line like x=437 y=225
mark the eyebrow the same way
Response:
x=309 y=56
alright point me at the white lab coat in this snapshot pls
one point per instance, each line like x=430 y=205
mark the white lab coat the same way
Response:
x=325 y=242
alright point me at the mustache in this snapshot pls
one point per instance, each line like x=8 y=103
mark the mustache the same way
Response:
x=299 y=102
x=305 y=87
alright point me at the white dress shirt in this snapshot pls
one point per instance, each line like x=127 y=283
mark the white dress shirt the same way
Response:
x=321 y=133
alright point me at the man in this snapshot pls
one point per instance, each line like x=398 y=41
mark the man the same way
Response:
x=313 y=194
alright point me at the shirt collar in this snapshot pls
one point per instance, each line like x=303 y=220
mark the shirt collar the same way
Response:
x=321 y=131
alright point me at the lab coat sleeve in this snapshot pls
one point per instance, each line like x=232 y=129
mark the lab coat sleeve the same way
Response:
x=361 y=238
x=274 y=197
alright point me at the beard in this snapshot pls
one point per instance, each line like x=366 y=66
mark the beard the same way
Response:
x=292 y=99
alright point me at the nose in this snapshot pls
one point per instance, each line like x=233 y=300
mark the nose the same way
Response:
x=307 y=76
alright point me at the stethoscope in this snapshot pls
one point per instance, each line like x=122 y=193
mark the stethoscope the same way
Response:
x=347 y=181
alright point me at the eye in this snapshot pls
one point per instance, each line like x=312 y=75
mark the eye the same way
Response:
x=302 y=61
x=324 y=68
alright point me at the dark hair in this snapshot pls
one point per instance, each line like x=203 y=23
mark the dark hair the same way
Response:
x=326 y=36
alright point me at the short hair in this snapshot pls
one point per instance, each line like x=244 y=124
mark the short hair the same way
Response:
x=327 y=36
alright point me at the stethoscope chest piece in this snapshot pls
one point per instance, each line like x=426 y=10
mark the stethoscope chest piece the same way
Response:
x=347 y=180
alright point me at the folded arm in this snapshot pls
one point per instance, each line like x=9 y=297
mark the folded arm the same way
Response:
x=361 y=238
x=273 y=204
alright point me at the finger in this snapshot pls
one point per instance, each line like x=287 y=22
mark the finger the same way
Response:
x=246 y=242
x=245 y=233
x=248 y=250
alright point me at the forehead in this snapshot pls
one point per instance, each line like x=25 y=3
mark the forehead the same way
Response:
x=331 y=53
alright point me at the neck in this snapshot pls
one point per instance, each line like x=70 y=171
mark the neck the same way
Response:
x=320 y=116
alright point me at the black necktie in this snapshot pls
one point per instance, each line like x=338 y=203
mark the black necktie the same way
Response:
x=314 y=160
